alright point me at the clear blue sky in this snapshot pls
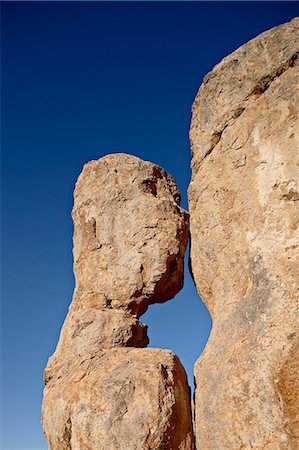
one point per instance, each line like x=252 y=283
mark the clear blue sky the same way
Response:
x=80 y=80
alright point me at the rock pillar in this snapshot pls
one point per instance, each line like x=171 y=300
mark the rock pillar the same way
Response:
x=103 y=389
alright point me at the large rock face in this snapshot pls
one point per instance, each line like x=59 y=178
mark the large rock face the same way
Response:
x=130 y=237
x=243 y=197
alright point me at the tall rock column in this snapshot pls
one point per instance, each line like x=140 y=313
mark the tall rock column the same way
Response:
x=102 y=389
x=244 y=216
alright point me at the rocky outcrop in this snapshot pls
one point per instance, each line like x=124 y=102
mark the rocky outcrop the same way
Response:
x=102 y=389
x=243 y=197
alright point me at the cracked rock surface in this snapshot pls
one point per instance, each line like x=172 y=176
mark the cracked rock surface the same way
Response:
x=103 y=390
x=243 y=201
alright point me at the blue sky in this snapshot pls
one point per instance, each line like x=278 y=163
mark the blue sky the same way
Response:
x=80 y=80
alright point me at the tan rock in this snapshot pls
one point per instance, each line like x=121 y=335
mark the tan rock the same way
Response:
x=87 y=332
x=244 y=218
x=130 y=237
x=123 y=398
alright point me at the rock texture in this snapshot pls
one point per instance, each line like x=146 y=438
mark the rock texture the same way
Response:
x=130 y=237
x=124 y=398
x=243 y=207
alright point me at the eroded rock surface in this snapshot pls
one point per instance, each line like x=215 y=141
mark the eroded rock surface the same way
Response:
x=244 y=217
x=130 y=236
x=124 y=398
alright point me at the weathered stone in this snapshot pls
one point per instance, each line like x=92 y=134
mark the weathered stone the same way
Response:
x=123 y=398
x=87 y=332
x=244 y=138
x=130 y=237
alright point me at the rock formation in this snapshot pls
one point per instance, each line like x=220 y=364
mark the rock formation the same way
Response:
x=243 y=195
x=102 y=389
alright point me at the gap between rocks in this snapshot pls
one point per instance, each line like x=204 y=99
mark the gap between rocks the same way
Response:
x=182 y=325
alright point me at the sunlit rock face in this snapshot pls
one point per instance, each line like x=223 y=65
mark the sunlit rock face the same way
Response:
x=103 y=389
x=123 y=398
x=244 y=216
x=129 y=235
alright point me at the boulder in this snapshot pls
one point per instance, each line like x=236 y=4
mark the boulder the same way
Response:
x=124 y=399
x=129 y=235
